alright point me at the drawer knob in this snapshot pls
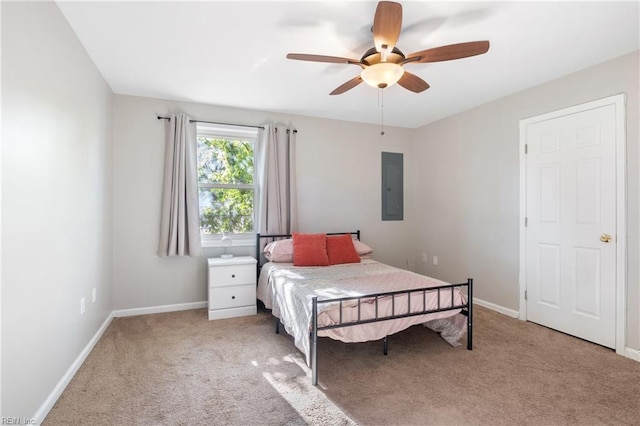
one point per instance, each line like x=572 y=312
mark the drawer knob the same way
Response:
x=233 y=275
x=233 y=297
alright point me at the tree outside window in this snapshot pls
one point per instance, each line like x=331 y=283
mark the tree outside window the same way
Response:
x=226 y=184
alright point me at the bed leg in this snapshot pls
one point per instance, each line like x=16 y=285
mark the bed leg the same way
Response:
x=470 y=314
x=386 y=344
x=277 y=325
x=314 y=341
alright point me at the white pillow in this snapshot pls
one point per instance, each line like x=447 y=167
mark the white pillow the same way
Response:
x=279 y=251
x=362 y=248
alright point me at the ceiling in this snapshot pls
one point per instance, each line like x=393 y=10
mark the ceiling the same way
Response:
x=233 y=53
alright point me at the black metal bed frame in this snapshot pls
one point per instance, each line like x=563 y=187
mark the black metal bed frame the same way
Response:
x=466 y=308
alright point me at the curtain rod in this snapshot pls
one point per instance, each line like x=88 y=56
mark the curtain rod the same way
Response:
x=215 y=122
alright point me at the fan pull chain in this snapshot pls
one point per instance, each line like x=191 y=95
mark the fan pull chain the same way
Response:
x=381 y=104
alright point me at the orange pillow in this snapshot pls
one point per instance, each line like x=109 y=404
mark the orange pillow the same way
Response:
x=340 y=249
x=310 y=250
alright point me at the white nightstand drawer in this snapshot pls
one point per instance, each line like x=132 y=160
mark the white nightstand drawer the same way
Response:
x=233 y=296
x=232 y=275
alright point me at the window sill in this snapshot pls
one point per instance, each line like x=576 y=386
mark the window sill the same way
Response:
x=240 y=242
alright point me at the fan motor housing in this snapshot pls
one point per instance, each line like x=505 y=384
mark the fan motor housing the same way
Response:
x=372 y=56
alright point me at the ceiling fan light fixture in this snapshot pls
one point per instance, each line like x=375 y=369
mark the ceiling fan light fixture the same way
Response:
x=382 y=65
x=381 y=75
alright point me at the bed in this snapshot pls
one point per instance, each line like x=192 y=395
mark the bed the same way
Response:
x=358 y=302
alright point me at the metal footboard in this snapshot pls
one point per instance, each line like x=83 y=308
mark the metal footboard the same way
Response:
x=466 y=309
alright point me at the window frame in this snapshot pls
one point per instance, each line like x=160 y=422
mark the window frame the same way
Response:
x=228 y=132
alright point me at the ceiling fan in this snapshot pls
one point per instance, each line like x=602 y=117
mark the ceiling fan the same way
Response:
x=383 y=65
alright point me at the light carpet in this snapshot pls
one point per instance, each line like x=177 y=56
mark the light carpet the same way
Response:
x=179 y=368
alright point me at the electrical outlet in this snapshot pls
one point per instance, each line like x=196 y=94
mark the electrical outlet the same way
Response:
x=82 y=306
x=435 y=260
x=93 y=295
x=424 y=257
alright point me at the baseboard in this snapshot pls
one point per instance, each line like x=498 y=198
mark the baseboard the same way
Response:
x=497 y=308
x=634 y=354
x=159 y=309
x=44 y=409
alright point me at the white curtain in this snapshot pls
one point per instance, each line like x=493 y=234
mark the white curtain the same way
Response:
x=180 y=225
x=276 y=157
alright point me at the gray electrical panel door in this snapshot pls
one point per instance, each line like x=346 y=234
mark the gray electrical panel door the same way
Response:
x=392 y=186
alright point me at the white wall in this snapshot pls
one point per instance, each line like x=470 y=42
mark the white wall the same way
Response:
x=467 y=177
x=338 y=178
x=56 y=217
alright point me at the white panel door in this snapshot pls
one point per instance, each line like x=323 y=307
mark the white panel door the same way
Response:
x=571 y=211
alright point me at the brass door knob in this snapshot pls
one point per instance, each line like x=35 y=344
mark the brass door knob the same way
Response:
x=605 y=238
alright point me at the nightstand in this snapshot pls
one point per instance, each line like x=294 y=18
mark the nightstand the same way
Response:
x=232 y=287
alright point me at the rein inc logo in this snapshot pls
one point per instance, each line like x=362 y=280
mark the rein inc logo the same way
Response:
x=17 y=421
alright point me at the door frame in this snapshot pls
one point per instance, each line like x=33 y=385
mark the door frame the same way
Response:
x=620 y=102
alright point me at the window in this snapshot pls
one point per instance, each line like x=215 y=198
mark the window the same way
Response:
x=227 y=186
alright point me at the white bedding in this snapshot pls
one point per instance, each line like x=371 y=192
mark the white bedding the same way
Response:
x=287 y=290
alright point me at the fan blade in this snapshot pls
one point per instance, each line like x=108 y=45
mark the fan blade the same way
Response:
x=413 y=82
x=322 y=58
x=347 y=86
x=387 y=24
x=447 y=53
